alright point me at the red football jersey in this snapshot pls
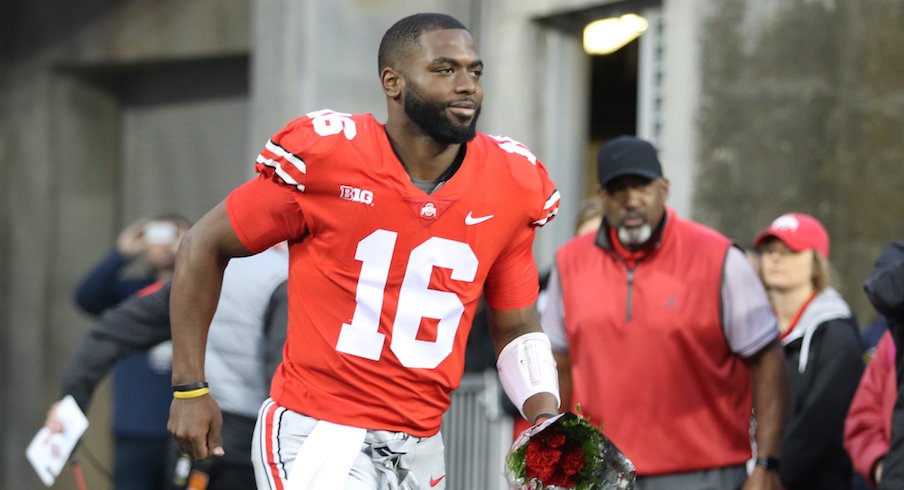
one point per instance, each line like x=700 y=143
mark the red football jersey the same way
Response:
x=384 y=279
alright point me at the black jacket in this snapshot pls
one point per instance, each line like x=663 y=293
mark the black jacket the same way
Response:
x=144 y=321
x=825 y=362
x=885 y=289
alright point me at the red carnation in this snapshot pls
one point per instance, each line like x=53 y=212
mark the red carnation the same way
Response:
x=560 y=479
x=573 y=462
x=540 y=461
x=552 y=438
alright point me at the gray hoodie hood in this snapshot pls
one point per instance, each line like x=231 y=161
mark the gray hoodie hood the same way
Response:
x=827 y=305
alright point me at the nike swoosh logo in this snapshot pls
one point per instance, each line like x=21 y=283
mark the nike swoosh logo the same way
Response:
x=435 y=481
x=471 y=220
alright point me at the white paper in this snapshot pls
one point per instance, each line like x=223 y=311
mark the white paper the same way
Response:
x=49 y=451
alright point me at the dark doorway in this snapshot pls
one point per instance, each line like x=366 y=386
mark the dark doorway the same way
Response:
x=613 y=102
x=613 y=93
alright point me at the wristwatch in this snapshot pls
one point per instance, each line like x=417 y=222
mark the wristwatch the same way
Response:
x=768 y=463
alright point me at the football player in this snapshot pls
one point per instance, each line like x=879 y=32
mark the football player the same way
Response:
x=395 y=232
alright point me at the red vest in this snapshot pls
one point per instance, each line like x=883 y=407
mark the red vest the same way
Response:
x=649 y=357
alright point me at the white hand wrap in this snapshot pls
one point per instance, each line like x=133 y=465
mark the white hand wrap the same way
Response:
x=526 y=367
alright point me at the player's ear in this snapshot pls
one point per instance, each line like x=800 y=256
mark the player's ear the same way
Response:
x=392 y=82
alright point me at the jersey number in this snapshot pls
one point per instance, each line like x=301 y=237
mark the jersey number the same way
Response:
x=328 y=123
x=416 y=300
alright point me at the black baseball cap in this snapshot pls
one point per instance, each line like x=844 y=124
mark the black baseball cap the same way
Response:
x=627 y=155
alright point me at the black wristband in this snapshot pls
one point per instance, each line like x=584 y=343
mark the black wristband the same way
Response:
x=768 y=463
x=542 y=415
x=190 y=386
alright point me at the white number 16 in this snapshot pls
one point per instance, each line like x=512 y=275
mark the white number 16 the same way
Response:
x=416 y=300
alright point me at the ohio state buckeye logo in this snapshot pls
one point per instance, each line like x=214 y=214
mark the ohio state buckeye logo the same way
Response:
x=428 y=211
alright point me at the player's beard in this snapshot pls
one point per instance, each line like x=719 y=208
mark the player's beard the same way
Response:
x=432 y=118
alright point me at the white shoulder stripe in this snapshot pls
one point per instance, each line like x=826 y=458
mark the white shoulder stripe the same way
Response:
x=280 y=172
x=552 y=200
x=551 y=215
x=291 y=158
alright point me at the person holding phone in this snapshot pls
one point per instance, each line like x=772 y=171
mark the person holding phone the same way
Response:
x=139 y=415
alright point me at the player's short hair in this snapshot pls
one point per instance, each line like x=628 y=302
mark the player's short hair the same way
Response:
x=404 y=34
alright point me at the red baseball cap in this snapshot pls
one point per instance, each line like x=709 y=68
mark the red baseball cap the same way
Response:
x=798 y=232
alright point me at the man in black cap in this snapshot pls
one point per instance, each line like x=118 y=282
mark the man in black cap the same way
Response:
x=663 y=334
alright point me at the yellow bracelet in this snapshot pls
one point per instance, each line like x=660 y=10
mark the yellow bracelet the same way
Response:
x=183 y=395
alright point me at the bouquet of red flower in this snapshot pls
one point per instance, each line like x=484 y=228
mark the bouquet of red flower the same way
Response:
x=566 y=451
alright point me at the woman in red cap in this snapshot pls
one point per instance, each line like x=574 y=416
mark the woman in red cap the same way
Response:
x=822 y=348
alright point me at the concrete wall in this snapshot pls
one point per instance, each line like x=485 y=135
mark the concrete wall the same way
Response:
x=60 y=182
x=802 y=108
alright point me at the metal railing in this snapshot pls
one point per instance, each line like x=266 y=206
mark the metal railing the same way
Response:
x=477 y=434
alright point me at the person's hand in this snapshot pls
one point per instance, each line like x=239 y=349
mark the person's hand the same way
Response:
x=196 y=424
x=131 y=239
x=762 y=479
x=539 y=407
x=52 y=422
x=877 y=470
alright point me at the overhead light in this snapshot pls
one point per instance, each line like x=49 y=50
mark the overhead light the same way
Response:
x=607 y=36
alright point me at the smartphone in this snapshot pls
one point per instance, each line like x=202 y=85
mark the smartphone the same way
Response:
x=160 y=232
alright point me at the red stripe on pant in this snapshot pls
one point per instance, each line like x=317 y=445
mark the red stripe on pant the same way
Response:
x=272 y=463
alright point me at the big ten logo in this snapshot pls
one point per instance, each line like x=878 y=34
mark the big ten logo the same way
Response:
x=350 y=193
